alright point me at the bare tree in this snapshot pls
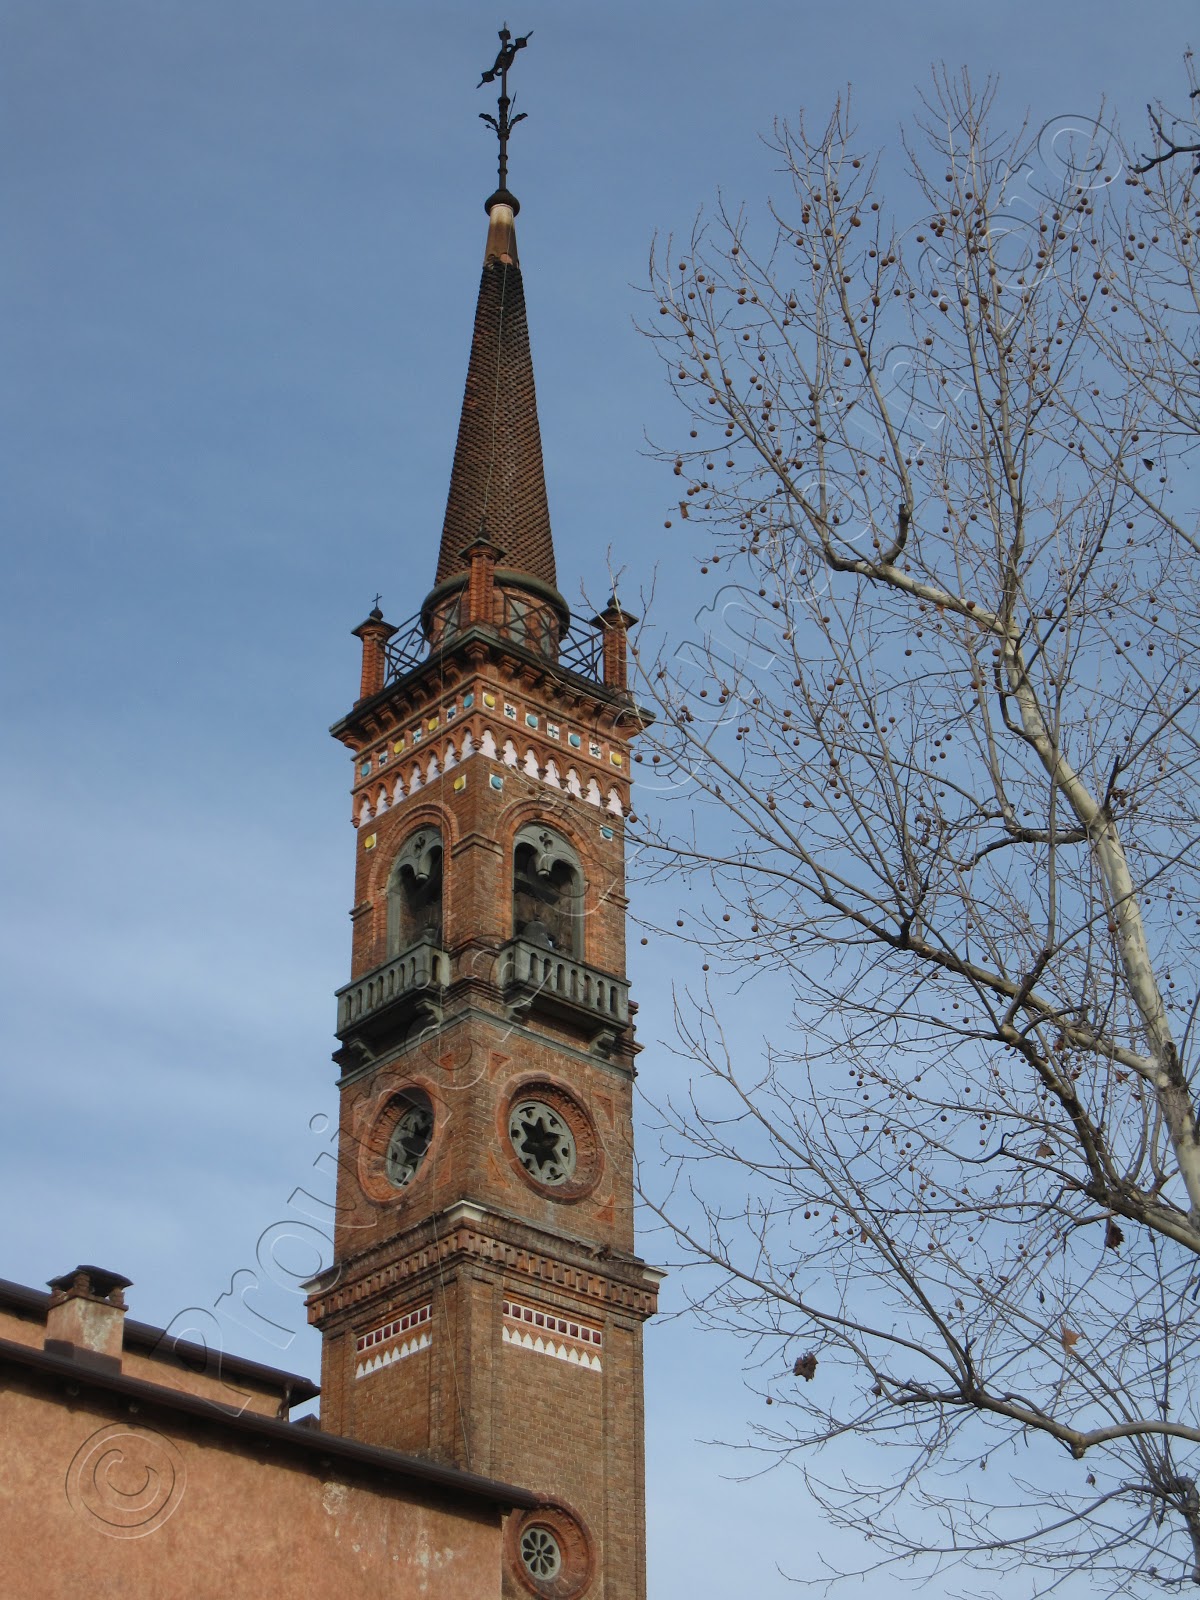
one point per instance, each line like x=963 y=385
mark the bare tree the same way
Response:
x=1172 y=136
x=939 y=729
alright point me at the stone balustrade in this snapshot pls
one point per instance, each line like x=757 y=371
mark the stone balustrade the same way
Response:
x=405 y=976
x=560 y=982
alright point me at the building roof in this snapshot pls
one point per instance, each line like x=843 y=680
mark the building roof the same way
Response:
x=306 y=1440
x=498 y=481
x=160 y=1342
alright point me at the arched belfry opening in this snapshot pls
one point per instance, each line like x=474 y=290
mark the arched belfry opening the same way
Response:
x=547 y=891
x=414 y=893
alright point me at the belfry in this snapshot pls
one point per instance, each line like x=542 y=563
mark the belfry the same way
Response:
x=485 y=1305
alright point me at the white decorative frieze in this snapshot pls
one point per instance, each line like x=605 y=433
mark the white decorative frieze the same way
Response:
x=428 y=769
x=394 y=1340
x=548 y=1334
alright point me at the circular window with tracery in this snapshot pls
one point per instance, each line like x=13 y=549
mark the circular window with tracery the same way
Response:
x=551 y=1553
x=543 y=1141
x=408 y=1143
x=540 y=1553
x=552 y=1141
x=396 y=1146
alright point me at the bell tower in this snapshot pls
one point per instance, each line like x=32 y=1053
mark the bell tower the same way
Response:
x=485 y=1304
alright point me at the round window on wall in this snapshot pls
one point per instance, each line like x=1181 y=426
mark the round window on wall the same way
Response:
x=550 y=1553
x=551 y=1140
x=543 y=1141
x=409 y=1140
x=399 y=1130
x=540 y=1553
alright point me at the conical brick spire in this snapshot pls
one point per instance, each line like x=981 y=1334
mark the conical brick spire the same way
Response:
x=498 y=482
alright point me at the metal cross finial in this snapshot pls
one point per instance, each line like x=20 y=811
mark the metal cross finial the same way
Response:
x=378 y=598
x=504 y=124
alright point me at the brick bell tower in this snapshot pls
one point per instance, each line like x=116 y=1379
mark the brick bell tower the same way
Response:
x=485 y=1303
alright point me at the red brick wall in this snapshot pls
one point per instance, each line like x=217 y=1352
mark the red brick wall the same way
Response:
x=563 y=1429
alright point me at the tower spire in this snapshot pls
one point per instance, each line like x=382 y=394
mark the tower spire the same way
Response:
x=498 y=480
x=486 y=1302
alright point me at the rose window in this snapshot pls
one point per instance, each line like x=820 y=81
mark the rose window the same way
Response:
x=540 y=1552
x=408 y=1144
x=544 y=1143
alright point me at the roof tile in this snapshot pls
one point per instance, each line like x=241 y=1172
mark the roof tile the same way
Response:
x=498 y=481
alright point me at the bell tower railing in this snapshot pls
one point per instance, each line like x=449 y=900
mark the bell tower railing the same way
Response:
x=529 y=624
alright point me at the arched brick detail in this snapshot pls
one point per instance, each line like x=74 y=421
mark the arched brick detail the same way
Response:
x=396 y=825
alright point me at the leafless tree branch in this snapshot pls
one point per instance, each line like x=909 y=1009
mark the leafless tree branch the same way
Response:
x=938 y=732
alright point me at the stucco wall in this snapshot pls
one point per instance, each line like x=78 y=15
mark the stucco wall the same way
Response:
x=102 y=1498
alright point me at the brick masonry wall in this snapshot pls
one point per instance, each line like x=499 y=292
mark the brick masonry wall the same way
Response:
x=467 y=1396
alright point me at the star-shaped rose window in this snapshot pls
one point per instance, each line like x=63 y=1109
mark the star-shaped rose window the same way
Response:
x=542 y=1141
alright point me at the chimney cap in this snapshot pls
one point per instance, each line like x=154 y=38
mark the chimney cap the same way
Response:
x=98 y=1282
x=614 y=615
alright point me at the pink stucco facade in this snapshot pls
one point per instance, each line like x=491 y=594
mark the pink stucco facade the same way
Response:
x=116 y=1484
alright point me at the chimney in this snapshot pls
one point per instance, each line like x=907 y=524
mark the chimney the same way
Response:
x=85 y=1320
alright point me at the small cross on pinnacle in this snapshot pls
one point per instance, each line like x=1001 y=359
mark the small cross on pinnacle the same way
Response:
x=503 y=123
x=378 y=598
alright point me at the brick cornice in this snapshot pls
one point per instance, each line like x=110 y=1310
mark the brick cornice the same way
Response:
x=475 y=653
x=470 y=1234
x=323 y=1451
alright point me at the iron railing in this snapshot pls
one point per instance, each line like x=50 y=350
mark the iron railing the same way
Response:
x=528 y=624
x=407 y=648
x=583 y=653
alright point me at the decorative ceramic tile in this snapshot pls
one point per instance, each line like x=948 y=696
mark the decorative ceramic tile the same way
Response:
x=489 y=700
x=606 y=833
x=369 y=842
x=451 y=713
x=594 y=749
x=510 y=712
x=530 y=720
x=433 y=723
x=468 y=701
x=615 y=757
x=364 y=770
x=383 y=758
x=575 y=740
x=460 y=783
x=496 y=781
x=398 y=747
x=552 y=730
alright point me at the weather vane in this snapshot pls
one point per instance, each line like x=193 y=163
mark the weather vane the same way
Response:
x=503 y=124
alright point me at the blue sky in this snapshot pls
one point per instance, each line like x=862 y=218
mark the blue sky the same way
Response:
x=240 y=249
